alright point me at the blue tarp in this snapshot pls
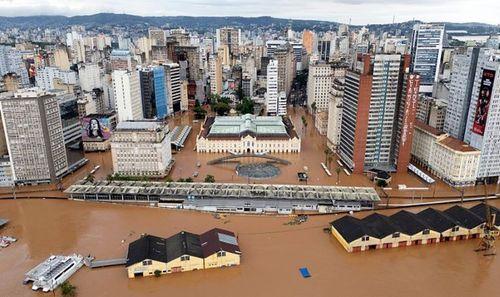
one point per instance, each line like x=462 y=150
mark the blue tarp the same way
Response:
x=305 y=273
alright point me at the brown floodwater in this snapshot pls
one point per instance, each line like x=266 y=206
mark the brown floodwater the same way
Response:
x=272 y=254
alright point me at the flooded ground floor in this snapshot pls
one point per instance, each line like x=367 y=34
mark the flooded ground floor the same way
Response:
x=273 y=252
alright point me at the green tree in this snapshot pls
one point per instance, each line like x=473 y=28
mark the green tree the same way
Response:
x=245 y=106
x=189 y=180
x=199 y=112
x=221 y=108
x=157 y=273
x=313 y=107
x=209 y=178
x=381 y=183
x=181 y=180
x=168 y=179
x=67 y=289
x=90 y=178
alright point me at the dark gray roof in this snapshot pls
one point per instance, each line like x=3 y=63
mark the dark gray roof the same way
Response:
x=467 y=218
x=381 y=225
x=217 y=240
x=437 y=220
x=409 y=223
x=147 y=247
x=352 y=228
x=480 y=210
x=183 y=243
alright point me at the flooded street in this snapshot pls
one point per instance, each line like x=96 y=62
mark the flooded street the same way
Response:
x=272 y=254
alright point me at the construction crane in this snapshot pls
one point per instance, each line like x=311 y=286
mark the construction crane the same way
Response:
x=487 y=243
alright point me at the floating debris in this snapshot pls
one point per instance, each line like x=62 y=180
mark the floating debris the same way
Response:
x=54 y=271
x=5 y=241
x=297 y=220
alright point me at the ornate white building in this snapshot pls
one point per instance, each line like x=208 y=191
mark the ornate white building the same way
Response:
x=248 y=134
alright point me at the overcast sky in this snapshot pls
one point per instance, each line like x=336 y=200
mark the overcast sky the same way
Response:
x=359 y=11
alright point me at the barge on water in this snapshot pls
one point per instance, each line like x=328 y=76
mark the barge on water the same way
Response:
x=52 y=272
x=228 y=197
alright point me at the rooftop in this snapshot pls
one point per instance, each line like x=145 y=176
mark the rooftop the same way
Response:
x=224 y=191
x=427 y=128
x=457 y=145
x=139 y=126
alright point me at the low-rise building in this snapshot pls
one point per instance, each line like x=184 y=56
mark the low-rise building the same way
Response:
x=420 y=232
x=444 y=156
x=321 y=122
x=467 y=219
x=141 y=148
x=96 y=131
x=248 y=134
x=184 y=251
x=439 y=221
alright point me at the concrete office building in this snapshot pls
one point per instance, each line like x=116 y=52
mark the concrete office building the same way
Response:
x=153 y=92
x=174 y=85
x=157 y=37
x=308 y=41
x=286 y=68
x=483 y=129
x=426 y=51
x=35 y=138
x=462 y=81
x=379 y=107
x=127 y=94
x=141 y=148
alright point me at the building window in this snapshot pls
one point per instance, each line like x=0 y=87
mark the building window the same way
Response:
x=147 y=262
x=221 y=254
x=426 y=231
x=184 y=258
x=455 y=229
x=365 y=238
x=395 y=235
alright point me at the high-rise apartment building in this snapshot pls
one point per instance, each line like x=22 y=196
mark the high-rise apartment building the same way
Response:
x=272 y=88
x=121 y=60
x=11 y=61
x=34 y=134
x=319 y=83
x=230 y=37
x=334 y=125
x=157 y=37
x=308 y=41
x=215 y=72
x=426 y=51
x=378 y=111
x=286 y=67
x=127 y=95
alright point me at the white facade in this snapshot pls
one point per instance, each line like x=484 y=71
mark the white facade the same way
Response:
x=319 y=84
x=141 y=148
x=488 y=142
x=46 y=77
x=335 y=114
x=90 y=77
x=272 y=88
x=127 y=95
x=11 y=61
x=446 y=157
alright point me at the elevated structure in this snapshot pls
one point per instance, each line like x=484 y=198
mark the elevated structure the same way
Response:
x=256 y=198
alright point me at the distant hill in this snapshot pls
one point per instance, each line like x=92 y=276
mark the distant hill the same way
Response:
x=210 y=23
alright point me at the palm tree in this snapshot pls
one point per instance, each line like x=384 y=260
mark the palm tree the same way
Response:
x=327 y=153
x=67 y=289
x=338 y=170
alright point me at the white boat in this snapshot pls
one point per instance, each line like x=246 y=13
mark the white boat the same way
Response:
x=56 y=269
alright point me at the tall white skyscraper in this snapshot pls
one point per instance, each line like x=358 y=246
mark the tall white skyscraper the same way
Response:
x=90 y=77
x=426 y=51
x=272 y=88
x=127 y=94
